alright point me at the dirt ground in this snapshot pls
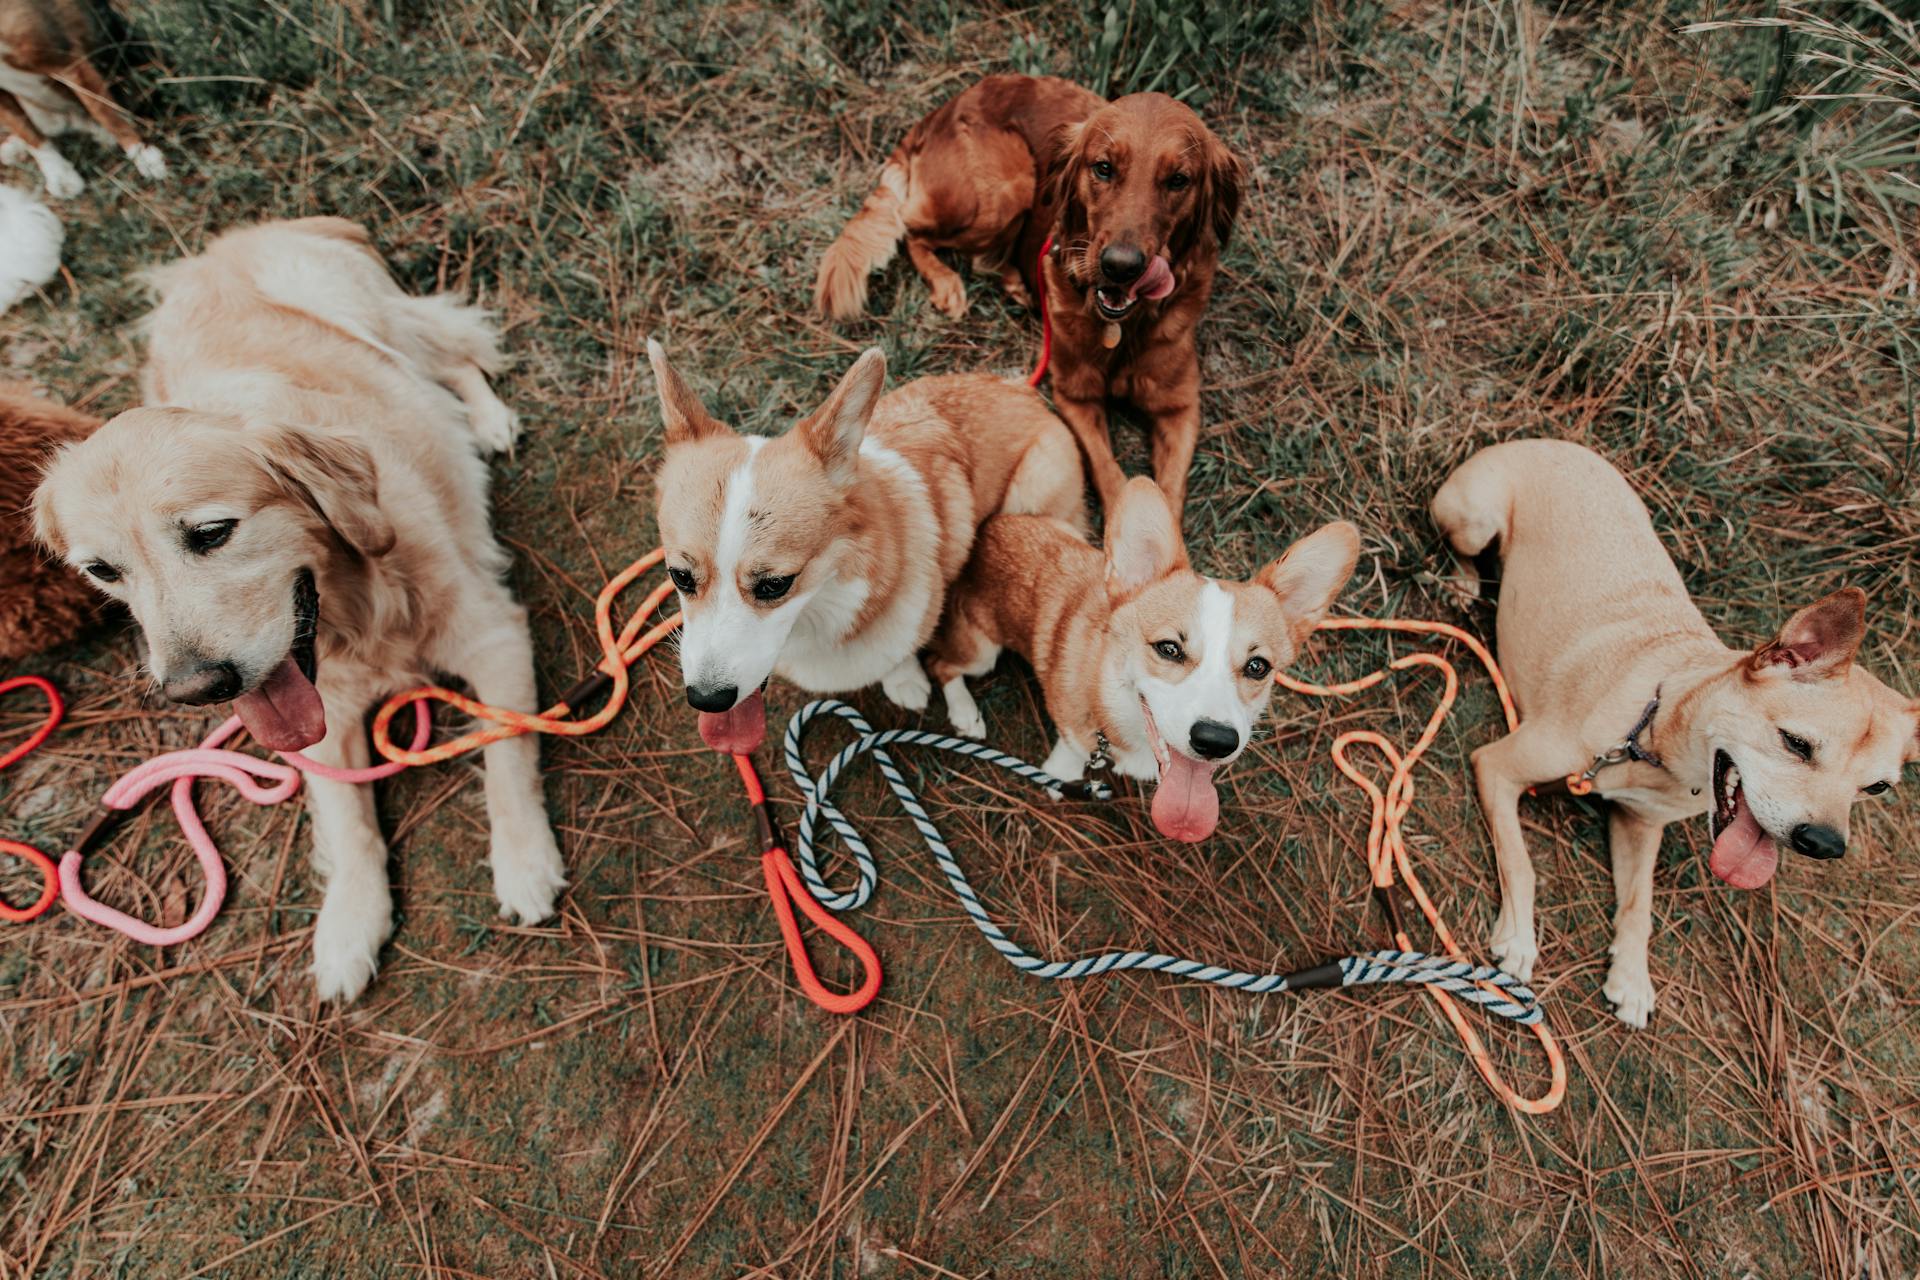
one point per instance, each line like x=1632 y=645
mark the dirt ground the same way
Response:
x=1692 y=250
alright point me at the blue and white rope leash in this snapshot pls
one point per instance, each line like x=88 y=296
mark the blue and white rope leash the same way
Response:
x=1493 y=989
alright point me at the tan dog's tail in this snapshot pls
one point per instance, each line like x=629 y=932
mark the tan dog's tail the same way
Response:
x=1474 y=507
x=866 y=244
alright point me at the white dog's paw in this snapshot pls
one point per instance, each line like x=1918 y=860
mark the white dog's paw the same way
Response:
x=969 y=723
x=1065 y=762
x=14 y=151
x=346 y=945
x=63 y=180
x=528 y=875
x=148 y=162
x=1631 y=991
x=1514 y=947
x=495 y=426
x=907 y=686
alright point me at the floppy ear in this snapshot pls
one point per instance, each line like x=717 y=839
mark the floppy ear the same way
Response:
x=835 y=431
x=46 y=529
x=1819 y=641
x=1913 y=740
x=1311 y=574
x=1226 y=180
x=1143 y=540
x=334 y=478
x=686 y=418
x=1065 y=156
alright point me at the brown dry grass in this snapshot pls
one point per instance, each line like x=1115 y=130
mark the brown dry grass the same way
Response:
x=1466 y=223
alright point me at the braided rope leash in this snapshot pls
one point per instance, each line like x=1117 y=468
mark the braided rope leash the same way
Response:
x=49 y=877
x=1497 y=992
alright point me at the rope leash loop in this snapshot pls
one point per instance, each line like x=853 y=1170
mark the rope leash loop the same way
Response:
x=49 y=875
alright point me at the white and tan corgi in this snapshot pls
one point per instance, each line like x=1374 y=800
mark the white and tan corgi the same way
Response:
x=1604 y=651
x=1159 y=669
x=824 y=555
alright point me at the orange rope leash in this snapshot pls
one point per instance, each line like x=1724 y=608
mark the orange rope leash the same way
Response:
x=49 y=874
x=1386 y=840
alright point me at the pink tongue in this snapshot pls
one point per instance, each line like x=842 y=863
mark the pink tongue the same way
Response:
x=1744 y=856
x=1185 y=805
x=284 y=713
x=737 y=732
x=1156 y=281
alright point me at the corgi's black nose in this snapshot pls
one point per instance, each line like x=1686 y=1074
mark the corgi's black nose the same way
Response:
x=712 y=697
x=208 y=682
x=1122 y=264
x=1212 y=740
x=1818 y=842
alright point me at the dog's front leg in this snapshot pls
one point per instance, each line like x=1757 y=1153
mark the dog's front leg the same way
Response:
x=496 y=657
x=350 y=857
x=1504 y=770
x=1635 y=845
x=1167 y=389
x=1087 y=415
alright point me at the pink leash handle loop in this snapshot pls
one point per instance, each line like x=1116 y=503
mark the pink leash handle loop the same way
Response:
x=263 y=782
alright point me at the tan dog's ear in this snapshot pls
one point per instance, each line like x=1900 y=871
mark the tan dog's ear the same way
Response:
x=1220 y=194
x=1913 y=742
x=835 y=431
x=1143 y=540
x=1064 y=158
x=46 y=530
x=1310 y=575
x=334 y=478
x=686 y=418
x=1819 y=641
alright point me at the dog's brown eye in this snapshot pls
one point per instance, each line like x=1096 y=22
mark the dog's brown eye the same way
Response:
x=1878 y=788
x=1103 y=170
x=1179 y=182
x=682 y=579
x=771 y=589
x=1798 y=745
x=203 y=538
x=1170 y=650
x=1257 y=668
x=103 y=572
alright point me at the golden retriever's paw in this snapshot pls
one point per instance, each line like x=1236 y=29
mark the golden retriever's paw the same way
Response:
x=495 y=426
x=1631 y=991
x=346 y=946
x=907 y=686
x=1514 y=948
x=950 y=298
x=528 y=876
x=148 y=162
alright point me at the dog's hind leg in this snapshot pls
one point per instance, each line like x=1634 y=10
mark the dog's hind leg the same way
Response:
x=1535 y=752
x=1635 y=845
x=961 y=650
x=949 y=290
x=494 y=654
x=1048 y=480
x=86 y=83
x=62 y=179
x=494 y=425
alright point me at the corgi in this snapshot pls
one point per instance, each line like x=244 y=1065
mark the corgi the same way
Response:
x=1616 y=672
x=824 y=555
x=1146 y=665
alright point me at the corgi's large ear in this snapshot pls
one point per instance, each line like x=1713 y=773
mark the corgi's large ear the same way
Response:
x=1310 y=575
x=835 y=432
x=1143 y=540
x=1819 y=641
x=686 y=418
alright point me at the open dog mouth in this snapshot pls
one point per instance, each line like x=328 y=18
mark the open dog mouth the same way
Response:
x=1186 y=806
x=284 y=712
x=1117 y=301
x=741 y=729
x=1744 y=855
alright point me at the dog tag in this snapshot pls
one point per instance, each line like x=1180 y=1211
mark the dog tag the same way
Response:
x=1110 y=336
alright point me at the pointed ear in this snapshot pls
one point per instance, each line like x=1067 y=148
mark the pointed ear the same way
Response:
x=332 y=476
x=1143 y=540
x=1819 y=641
x=1310 y=576
x=834 y=433
x=686 y=418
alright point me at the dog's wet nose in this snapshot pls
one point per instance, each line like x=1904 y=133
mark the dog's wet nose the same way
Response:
x=1818 y=842
x=208 y=682
x=1212 y=740
x=712 y=697
x=1122 y=264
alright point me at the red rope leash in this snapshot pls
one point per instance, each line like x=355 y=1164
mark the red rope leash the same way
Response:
x=1046 y=321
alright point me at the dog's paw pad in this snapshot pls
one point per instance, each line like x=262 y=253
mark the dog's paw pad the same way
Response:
x=1631 y=994
x=148 y=162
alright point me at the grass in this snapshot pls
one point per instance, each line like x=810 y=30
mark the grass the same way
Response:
x=1693 y=250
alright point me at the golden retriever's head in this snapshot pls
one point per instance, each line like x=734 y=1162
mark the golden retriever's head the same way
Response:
x=211 y=532
x=1145 y=195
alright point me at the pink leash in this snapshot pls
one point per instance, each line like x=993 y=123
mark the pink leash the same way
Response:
x=261 y=781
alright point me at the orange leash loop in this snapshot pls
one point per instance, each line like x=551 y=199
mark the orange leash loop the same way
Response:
x=1386 y=840
x=49 y=874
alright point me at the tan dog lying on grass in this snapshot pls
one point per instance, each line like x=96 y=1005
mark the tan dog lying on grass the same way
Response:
x=1159 y=670
x=1604 y=651
x=297 y=519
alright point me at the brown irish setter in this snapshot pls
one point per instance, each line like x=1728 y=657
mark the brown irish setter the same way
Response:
x=1138 y=196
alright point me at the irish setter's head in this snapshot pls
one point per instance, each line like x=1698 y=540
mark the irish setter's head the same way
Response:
x=1144 y=192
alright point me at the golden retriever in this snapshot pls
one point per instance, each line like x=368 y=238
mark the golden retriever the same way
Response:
x=297 y=519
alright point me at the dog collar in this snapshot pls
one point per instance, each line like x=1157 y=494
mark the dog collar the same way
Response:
x=1629 y=748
